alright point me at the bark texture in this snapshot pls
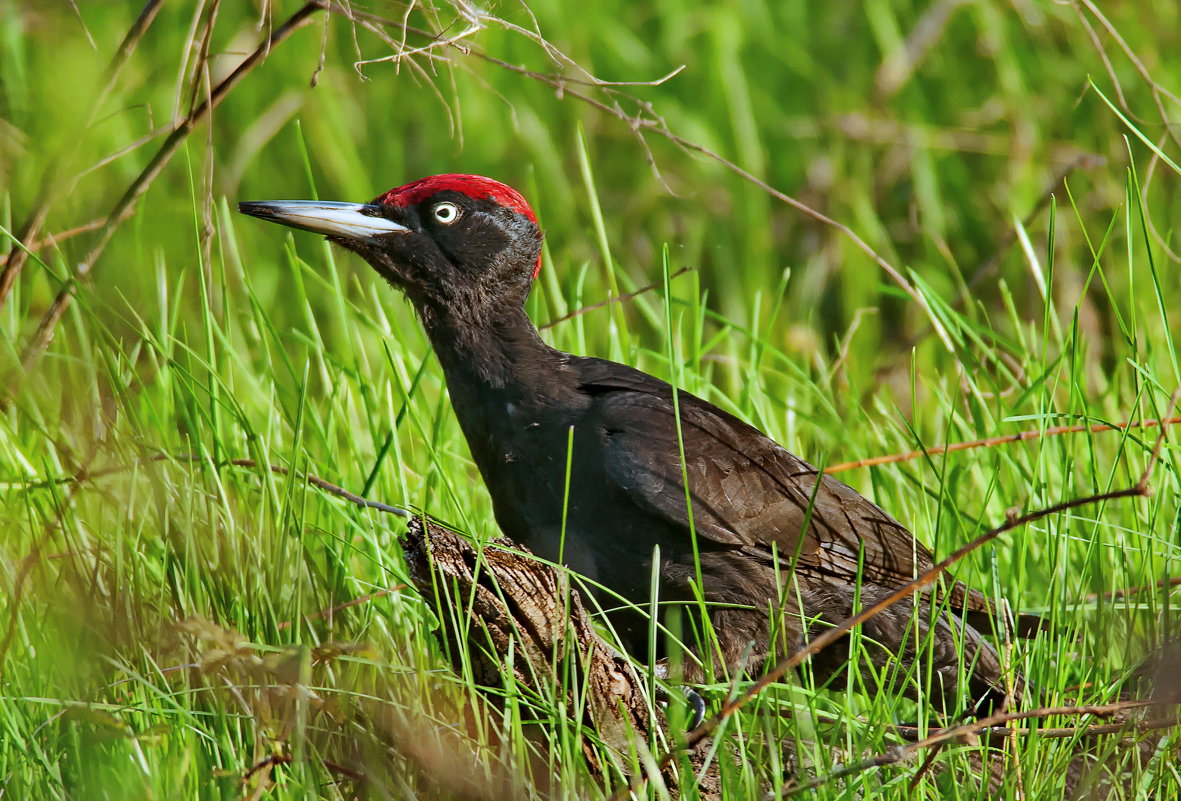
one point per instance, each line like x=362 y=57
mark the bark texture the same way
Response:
x=501 y=609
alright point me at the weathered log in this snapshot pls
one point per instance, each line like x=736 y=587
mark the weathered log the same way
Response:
x=502 y=609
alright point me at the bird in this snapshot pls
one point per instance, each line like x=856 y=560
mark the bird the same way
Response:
x=634 y=485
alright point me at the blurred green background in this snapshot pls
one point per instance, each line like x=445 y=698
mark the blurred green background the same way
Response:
x=163 y=626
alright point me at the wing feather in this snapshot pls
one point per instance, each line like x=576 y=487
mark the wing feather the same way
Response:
x=747 y=491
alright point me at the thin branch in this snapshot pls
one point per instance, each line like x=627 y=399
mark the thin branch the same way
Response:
x=327 y=486
x=126 y=204
x=269 y=762
x=992 y=442
x=472 y=29
x=902 y=753
x=336 y=767
x=1062 y=732
x=49 y=240
x=31 y=228
x=1173 y=581
x=314 y=480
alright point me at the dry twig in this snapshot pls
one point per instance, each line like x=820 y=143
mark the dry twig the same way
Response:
x=125 y=206
x=902 y=753
x=31 y=229
x=332 y=489
x=990 y=442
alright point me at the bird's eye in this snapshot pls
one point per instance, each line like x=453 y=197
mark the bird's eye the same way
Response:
x=446 y=213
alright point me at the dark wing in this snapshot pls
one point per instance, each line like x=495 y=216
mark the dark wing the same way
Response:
x=747 y=491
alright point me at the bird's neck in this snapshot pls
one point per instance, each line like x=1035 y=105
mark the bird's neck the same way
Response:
x=490 y=350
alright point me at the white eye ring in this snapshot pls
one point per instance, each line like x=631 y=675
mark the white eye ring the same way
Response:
x=445 y=213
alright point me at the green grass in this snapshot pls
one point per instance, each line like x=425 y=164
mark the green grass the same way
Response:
x=158 y=639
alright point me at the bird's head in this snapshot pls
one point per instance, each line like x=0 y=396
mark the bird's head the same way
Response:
x=431 y=238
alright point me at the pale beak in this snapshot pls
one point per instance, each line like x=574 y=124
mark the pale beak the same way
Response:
x=345 y=220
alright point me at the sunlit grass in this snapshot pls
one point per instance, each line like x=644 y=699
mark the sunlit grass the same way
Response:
x=162 y=623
